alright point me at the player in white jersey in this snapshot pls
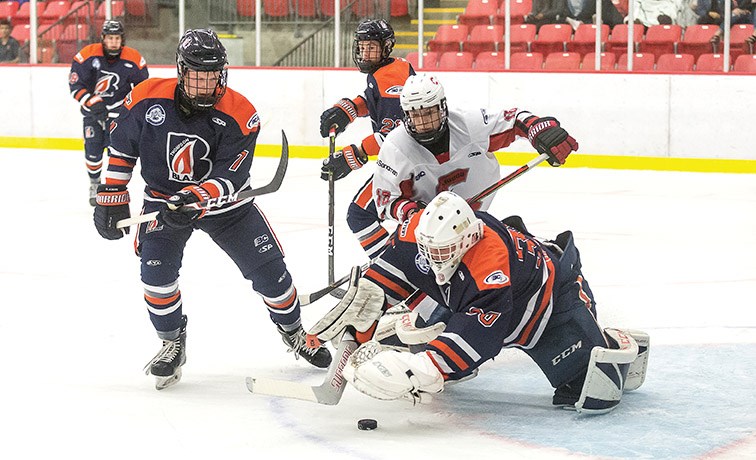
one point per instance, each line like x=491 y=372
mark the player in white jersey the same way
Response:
x=452 y=150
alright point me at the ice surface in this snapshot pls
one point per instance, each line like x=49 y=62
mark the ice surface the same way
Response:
x=670 y=253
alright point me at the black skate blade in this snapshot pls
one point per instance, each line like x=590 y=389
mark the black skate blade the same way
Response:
x=338 y=293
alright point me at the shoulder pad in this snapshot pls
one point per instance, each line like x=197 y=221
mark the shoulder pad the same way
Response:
x=236 y=106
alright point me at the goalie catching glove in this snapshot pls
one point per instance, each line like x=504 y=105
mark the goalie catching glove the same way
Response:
x=360 y=308
x=390 y=374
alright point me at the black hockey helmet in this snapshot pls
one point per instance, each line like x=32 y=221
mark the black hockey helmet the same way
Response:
x=373 y=30
x=111 y=27
x=200 y=50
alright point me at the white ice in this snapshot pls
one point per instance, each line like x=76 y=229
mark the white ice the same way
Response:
x=670 y=253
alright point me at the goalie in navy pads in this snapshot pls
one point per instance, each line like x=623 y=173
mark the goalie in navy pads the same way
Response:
x=503 y=288
x=101 y=75
x=195 y=139
x=442 y=149
x=373 y=42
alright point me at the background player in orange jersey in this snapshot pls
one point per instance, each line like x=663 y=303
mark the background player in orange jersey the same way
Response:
x=373 y=42
x=502 y=288
x=195 y=140
x=101 y=75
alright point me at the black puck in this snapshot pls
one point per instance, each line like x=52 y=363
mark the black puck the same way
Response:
x=367 y=424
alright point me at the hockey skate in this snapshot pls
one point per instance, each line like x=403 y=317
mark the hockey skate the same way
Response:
x=93 y=183
x=297 y=343
x=166 y=365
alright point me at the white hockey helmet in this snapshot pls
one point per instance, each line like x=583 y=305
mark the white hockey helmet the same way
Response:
x=424 y=92
x=447 y=229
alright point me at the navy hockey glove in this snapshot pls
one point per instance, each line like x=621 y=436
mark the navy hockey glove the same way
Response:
x=548 y=137
x=343 y=162
x=96 y=108
x=341 y=114
x=170 y=214
x=112 y=205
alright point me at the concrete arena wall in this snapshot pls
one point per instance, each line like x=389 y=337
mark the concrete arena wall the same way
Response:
x=643 y=115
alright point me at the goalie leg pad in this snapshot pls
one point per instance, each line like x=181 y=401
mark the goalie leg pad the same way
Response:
x=606 y=374
x=636 y=374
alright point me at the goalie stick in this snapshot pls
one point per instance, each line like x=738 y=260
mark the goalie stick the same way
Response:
x=271 y=187
x=333 y=289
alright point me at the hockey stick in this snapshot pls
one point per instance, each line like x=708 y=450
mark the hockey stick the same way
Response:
x=307 y=299
x=509 y=178
x=329 y=392
x=336 y=292
x=271 y=187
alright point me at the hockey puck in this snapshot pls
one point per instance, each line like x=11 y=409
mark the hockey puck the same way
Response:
x=367 y=424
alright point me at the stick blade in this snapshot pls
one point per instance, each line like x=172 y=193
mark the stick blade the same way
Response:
x=281 y=388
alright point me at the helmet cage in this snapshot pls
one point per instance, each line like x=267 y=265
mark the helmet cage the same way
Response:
x=201 y=52
x=373 y=30
x=111 y=27
x=439 y=118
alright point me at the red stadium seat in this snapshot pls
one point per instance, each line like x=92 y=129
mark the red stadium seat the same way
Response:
x=518 y=9
x=45 y=51
x=363 y=8
x=448 y=38
x=696 y=40
x=673 y=63
x=526 y=61
x=246 y=8
x=24 y=13
x=745 y=63
x=54 y=11
x=552 y=38
x=66 y=51
x=490 y=60
x=455 y=61
x=76 y=33
x=617 y=42
x=642 y=62
x=430 y=60
x=307 y=8
x=520 y=37
x=117 y=10
x=738 y=34
x=479 y=12
x=584 y=40
x=136 y=7
x=8 y=9
x=562 y=61
x=399 y=8
x=607 y=62
x=709 y=62
x=484 y=38
x=276 y=8
x=661 y=39
x=21 y=32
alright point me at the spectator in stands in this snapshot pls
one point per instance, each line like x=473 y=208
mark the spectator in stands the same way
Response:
x=584 y=12
x=547 y=12
x=655 y=12
x=9 y=46
x=102 y=74
x=712 y=11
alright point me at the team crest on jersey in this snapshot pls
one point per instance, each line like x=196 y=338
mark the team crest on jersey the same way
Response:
x=254 y=122
x=89 y=132
x=73 y=78
x=153 y=226
x=107 y=84
x=422 y=264
x=96 y=64
x=188 y=158
x=497 y=277
x=155 y=115
x=394 y=90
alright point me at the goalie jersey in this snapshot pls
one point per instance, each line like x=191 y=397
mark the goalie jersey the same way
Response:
x=212 y=148
x=487 y=312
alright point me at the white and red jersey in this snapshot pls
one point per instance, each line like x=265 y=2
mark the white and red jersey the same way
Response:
x=406 y=171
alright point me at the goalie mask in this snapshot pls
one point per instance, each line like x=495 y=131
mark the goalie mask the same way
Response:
x=201 y=63
x=447 y=229
x=373 y=42
x=424 y=105
x=112 y=39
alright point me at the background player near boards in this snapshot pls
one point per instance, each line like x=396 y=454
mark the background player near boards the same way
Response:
x=209 y=132
x=373 y=43
x=101 y=76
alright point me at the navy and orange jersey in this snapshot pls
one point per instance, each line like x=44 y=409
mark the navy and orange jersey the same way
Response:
x=93 y=74
x=500 y=296
x=213 y=148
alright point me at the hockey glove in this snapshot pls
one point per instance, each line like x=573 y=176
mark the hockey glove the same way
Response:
x=548 y=137
x=112 y=205
x=341 y=114
x=343 y=162
x=171 y=216
x=97 y=108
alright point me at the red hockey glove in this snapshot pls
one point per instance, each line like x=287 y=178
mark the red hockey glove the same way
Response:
x=343 y=162
x=548 y=137
x=111 y=206
x=172 y=217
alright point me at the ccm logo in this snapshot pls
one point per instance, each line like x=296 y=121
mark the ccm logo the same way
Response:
x=221 y=200
x=567 y=352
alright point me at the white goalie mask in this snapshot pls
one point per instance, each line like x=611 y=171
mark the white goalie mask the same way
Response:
x=447 y=229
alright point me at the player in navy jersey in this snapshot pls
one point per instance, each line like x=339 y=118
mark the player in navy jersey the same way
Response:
x=101 y=75
x=194 y=138
x=373 y=42
x=501 y=287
